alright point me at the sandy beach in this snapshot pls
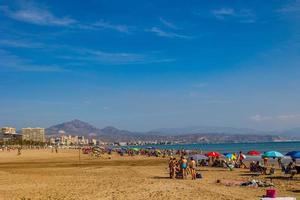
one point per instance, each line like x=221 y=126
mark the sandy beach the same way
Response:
x=40 y=174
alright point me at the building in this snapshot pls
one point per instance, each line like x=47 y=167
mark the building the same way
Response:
x=8 y=130
x=8 y=135
x=33 y=134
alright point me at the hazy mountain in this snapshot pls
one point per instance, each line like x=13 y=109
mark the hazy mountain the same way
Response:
x=78 y=127
x=295 y=132
x=206 y=129
x=182 y=135
x=74 y=127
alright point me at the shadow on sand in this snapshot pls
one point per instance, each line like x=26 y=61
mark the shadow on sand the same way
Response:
x=250 y=174
x=295 y=191
x=283 y=178
x=161 y=177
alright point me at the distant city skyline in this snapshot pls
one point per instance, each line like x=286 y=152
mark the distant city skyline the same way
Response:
x=140 y=65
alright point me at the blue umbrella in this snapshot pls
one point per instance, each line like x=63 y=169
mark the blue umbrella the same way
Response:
x=228 y=155
x=199 y=157
x=272 y=154
x=290 y=153
x=295 y=155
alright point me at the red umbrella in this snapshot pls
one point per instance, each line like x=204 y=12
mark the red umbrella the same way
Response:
x=254 y=153
x=213 y=154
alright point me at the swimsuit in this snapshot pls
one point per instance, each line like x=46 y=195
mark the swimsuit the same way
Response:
x=183 y=165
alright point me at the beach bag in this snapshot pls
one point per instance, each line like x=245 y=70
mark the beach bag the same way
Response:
x=198 y=175
x=271 y=193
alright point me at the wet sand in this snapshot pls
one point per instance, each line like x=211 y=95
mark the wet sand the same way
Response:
x=40 y=174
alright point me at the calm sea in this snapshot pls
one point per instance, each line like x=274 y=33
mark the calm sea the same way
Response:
x=282 y=147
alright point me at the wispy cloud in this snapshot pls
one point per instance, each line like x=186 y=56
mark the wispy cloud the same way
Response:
x=200 y=85
x=98 y=56
x=241 y=16
x=222 y=13
x=282 y=117
x=73 y=54
x=292 y=7
x=15 y=63
x=161 y=33
x=168 y=24
x=288 y=116
x=19 y=43
x=111 y=58
x=34 y=14
x=40 y=15
x=107 y=25
x=260 y=118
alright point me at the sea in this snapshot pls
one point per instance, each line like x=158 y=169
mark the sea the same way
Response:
x=282 y=147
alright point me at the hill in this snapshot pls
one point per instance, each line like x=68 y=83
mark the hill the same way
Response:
x=186 y=135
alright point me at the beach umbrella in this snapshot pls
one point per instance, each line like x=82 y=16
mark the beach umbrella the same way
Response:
x=213 y=154
x=228 y=155
x=272 y=154
x=198 y=157
x=254 y=153
x=291 y=153
x=295 y=155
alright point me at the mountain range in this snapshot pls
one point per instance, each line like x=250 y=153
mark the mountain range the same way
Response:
x=204 y=134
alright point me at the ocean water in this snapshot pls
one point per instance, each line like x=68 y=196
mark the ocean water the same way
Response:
x=282 y=147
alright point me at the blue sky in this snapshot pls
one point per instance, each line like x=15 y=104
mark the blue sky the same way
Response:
x=141 y=65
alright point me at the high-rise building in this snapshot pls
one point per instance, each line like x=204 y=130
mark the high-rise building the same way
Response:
x=33 y=134
x=8 y=130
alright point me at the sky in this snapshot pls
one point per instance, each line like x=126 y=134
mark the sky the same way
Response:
x=142 y=65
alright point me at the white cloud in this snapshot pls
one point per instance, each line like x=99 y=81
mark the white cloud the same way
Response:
x=223 y=12
x=31 y=13
x=241 y=16
x=260 y=118
x=20 y=43
x=112 y=58
x=167 y=23
x=105 y=57
x=107 y=25
x=161 y=33
x=291 y=7
x=278 y=118
x=200 y=85
x=39 y=15
x=15 y=63
x=288 y=117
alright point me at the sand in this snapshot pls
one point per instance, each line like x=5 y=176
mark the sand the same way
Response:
x=40 y=174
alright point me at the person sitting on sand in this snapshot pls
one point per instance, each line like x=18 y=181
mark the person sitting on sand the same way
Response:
x=265 y=161
x=19 y=150
x=291 y=169
x=272 y=170
x=192 y=166
x=183 y=167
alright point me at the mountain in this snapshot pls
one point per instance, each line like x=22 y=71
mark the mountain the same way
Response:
x=74 y=127
x=78 y=127
x=206 y=130
x=183 y=135
x=295 y=132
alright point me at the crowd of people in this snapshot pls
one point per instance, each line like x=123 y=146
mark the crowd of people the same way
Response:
x=182 y=167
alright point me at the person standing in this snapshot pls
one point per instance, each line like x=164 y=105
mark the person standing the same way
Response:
x=192 y=166
x=183 y=167
x=172 y=167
